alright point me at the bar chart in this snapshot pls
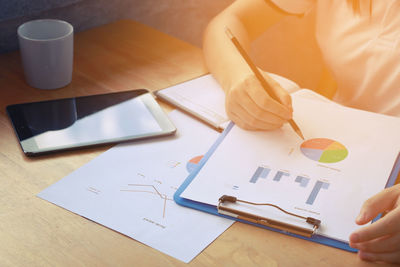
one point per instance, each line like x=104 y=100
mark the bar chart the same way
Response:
x=263 y=172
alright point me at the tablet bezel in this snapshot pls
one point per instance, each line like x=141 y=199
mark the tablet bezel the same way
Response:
x=30 y=147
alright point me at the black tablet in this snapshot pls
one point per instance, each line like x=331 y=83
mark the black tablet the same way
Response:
x=68 y=123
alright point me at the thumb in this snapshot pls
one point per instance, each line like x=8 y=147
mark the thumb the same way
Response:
x=381 y=202
x=282 y=94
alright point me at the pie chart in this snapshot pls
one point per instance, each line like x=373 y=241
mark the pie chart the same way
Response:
x=324 y=150
x=192 y=164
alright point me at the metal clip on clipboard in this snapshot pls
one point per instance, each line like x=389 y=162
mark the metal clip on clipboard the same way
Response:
x=265 y=221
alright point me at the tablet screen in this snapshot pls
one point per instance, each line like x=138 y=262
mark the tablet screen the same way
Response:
x=83 y=121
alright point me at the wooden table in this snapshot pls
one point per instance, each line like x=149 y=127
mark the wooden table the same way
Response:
x=119 y=56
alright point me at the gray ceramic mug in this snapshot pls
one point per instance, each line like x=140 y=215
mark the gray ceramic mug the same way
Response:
x=46 y=47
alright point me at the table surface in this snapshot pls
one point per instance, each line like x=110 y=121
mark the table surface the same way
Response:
x=116 y=57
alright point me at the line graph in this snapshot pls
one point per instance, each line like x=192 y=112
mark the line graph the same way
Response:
x=93 y=190
x=152 y=190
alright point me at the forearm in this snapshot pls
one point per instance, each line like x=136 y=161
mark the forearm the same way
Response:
x=247 y=19
x=221 y=57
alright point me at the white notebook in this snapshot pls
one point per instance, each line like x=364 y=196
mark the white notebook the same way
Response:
x=204 y=98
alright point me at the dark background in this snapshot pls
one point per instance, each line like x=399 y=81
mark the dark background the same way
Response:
x=287 y=49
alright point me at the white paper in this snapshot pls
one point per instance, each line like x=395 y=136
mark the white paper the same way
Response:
x=332 y=192
x=130 y=188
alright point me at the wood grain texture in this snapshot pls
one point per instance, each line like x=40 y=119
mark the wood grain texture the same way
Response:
x=115 y=57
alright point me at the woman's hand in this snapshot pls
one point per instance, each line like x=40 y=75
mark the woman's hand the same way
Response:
x=379 y=241
x=251 y=107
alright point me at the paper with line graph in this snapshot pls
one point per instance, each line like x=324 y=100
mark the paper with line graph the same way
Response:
x=130 y=189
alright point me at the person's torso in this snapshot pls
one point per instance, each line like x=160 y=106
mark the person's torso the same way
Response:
x=363 y=52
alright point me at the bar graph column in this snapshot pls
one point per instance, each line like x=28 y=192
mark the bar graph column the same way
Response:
x=303 y=181
x=279 y=175
x=261 y=172
x=317 y=187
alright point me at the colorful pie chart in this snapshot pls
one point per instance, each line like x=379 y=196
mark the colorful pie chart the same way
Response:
x=192 y=164
x=324 y=150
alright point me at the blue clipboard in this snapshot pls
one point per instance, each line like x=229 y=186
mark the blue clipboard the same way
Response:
x=213 y=209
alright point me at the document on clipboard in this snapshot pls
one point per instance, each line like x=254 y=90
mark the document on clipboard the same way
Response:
x=204 y=98
x=312 y=188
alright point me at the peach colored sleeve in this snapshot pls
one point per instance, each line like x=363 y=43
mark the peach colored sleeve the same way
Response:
x=294 y=6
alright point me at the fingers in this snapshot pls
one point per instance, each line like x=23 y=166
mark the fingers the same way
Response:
x=265 y=102
x=393 y=257
x=386 y=244
x=283 y=95
x=244 y=101
x=379 y=241
x=250 y=106
x=384 y=226
x=247 y=122
x=381 y=202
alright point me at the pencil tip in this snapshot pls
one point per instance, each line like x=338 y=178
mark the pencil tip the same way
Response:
x=296 y=129
x=300 y=134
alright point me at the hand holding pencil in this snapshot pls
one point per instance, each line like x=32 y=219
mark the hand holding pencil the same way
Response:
x=256 y=101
